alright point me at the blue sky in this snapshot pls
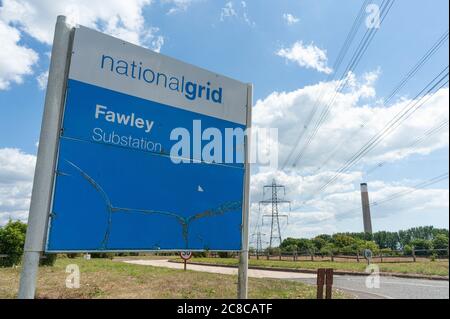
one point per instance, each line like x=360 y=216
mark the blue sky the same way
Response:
x=244 y=40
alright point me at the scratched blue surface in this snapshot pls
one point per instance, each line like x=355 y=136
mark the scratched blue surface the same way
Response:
x=118 y=198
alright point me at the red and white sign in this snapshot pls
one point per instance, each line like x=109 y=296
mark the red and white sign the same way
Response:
x=186 y=255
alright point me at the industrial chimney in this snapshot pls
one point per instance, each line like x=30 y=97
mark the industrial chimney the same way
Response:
x=366 y=209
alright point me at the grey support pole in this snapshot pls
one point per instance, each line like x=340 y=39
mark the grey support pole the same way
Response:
x=243 y=256
x=46 y=159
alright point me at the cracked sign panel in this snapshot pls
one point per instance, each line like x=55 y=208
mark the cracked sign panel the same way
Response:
x=150 y=154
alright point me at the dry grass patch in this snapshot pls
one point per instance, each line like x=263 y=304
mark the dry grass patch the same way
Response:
x=104 y=278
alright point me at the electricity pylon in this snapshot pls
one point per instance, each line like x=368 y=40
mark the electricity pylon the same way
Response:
x=274 y=201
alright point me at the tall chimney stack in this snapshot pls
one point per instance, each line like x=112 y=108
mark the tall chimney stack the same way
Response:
x=366 y=209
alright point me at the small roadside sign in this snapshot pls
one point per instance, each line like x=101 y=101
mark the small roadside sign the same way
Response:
x=368 y=255
x=185 y=255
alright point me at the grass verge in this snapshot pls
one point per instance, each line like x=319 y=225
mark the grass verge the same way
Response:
x=104 y=278
x=438 y=268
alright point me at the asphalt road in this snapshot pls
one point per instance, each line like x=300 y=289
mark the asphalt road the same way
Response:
x=389 y=287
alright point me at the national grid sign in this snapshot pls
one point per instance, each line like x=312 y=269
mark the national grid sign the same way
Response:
x=135 y=168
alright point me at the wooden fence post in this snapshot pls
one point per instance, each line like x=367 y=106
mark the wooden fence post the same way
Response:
x=329 y=283
x=320 y=282
x=324 y=277
x=414 y=253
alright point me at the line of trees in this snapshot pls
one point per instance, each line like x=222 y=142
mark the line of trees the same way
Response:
x=423 y=239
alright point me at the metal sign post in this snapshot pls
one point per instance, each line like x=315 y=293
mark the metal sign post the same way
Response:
x=368 y=255
x=46 y=159
x=243 y=256
x=185 y=255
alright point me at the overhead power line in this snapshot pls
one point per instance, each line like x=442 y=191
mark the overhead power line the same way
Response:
x=342 y=53
x=342 y=83
x=414 y=145
x=436 y=46
x=438 y=82
x=421 y=62
x=422 y=185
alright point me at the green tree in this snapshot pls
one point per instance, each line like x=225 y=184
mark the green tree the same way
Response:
x=12 y=240
x=319 y=242
x=288 y=242
x=423 y=245
x=386 y=239
x=325 y=237
x=328 y=249
x=290 y=248
x=440 y=242
x=342 y=240
x=440 y=231
x=304 y=245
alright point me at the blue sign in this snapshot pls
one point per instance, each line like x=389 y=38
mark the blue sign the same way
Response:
x=126 y=180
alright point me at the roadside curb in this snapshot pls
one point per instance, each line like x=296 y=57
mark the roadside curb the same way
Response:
x=336 y=272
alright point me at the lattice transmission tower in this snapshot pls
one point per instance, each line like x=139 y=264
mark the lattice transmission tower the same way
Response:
x=274 y=201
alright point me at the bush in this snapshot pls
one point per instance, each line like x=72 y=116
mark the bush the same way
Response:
x=48 y=260
x=289 y=249
x=386 y=251
x=274 y=251
x=424 y=246
x=12 y=240
x=224 y=254
x=103 y=255
x=407 y=250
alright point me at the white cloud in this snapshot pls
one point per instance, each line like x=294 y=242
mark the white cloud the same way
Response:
x=308 y=56
x=229 y=11
x=119 y=18
x=290 y=19
x=313 y=212
x=16 y=60
x=179 y=5
x=16 y=178
x=42 y=80
x=123 y=19
x=289 y=112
